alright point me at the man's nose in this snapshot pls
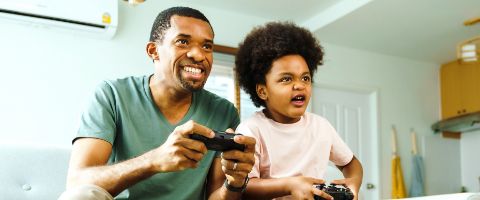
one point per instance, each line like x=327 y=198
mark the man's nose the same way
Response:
x=196 y=53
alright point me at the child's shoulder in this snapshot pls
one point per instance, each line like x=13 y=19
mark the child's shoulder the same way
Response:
x=315 y=117
x=256 y=117
x=318 y=121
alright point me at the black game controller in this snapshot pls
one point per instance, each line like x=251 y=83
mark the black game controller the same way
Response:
x=221 y=142
x=338 y=193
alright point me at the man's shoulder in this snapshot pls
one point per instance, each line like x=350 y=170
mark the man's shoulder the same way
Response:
x=125 y=81
x=122 y=85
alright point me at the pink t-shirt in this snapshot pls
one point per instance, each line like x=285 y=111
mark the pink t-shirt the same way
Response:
x=302 y=148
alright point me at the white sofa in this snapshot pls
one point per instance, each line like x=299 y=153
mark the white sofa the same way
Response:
x=32 y=171
x=38 y=171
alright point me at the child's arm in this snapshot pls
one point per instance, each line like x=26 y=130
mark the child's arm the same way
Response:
x=353 y=173
x=300 y=187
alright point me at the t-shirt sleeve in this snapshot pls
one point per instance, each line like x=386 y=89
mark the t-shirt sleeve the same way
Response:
x=98 y=120
x=245 y=130
x=340 y=153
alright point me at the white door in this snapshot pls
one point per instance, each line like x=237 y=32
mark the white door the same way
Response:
x=354 y=116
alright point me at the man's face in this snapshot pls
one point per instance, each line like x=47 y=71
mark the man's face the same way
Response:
x=185 y=55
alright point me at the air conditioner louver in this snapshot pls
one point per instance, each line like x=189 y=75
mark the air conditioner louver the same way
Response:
x=87 y=17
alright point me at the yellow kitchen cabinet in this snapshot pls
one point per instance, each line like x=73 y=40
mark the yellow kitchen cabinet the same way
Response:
x=460 y=88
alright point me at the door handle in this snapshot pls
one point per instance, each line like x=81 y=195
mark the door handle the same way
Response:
x=370 y=186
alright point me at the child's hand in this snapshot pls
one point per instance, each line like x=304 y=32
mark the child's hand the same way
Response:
x=302 y=187
x=350 y=183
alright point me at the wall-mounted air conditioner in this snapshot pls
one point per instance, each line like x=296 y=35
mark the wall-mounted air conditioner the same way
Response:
x=97 y=18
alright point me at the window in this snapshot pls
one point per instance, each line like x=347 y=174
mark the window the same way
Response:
x=221 y=82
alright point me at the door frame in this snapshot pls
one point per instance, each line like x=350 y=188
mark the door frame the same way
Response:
x=373 y=95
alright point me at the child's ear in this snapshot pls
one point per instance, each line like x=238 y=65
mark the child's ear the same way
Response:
x=152 y=51
x=262 y=91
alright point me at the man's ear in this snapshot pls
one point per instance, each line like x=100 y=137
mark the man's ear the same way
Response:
x=262 y=91
x=152 y=51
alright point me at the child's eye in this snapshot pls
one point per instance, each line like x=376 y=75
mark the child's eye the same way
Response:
x=208 y=47
x=286 y=79
x=307 y=78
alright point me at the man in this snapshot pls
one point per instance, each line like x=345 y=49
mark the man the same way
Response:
x=135 y=135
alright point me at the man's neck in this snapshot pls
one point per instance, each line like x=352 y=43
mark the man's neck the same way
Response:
x=172 y=102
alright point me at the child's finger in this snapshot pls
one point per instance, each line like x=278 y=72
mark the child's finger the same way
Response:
x=321 y=193
x=339 y=181
x=317 y=181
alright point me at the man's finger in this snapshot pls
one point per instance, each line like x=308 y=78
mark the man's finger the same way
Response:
x=238 y=166
x=229 y=130
x=193 y=155
x=192 y=127
x=239 y=156
x=193 y=145
x=249 y=142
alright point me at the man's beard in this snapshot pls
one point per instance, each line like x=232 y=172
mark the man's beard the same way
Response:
x=187 y=85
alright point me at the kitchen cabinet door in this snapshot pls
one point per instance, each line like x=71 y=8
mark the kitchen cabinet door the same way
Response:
x=460 y=88
x=470 y=87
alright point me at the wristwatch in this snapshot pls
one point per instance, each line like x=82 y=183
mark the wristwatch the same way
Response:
x=236 y=189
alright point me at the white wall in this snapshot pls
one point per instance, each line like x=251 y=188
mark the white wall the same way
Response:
x=48 y=76
x=470 y=160
x=408 y=97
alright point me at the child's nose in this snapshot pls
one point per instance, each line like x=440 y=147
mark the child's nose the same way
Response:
x=299 y=86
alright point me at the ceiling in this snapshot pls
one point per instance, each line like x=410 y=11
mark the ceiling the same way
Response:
x=424 y=30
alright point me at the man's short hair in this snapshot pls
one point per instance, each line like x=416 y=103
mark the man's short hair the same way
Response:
x=162 y=22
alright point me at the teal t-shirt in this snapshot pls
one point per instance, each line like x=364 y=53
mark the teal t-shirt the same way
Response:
x=123 y=113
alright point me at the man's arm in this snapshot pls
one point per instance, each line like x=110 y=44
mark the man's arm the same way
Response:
x=89 y=157
x=215 y=187
x=87 y=166
x=353 y=173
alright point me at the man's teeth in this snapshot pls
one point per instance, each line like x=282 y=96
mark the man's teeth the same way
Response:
x=192 y=70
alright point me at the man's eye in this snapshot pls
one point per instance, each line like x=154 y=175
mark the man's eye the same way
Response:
x=285 y=79
x=182 y=41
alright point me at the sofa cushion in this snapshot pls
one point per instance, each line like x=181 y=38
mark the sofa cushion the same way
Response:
x=33 y=171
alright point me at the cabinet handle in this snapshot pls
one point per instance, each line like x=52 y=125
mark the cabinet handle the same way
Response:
x=464 y=110
x=459 y=111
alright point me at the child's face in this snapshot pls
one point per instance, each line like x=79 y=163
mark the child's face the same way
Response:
x=287 y=90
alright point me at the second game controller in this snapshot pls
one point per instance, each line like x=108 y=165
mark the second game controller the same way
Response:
x=338 y=193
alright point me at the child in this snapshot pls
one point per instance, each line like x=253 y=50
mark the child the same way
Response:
x=275 y=65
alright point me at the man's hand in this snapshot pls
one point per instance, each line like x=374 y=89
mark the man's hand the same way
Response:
x=179 y=151
x=237 y=164
x=302 y=187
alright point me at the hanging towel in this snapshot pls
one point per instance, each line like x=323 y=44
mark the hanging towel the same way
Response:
x=416 y=187
x=398 y=186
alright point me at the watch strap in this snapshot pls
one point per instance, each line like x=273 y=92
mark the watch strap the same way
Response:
x=236 y=189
